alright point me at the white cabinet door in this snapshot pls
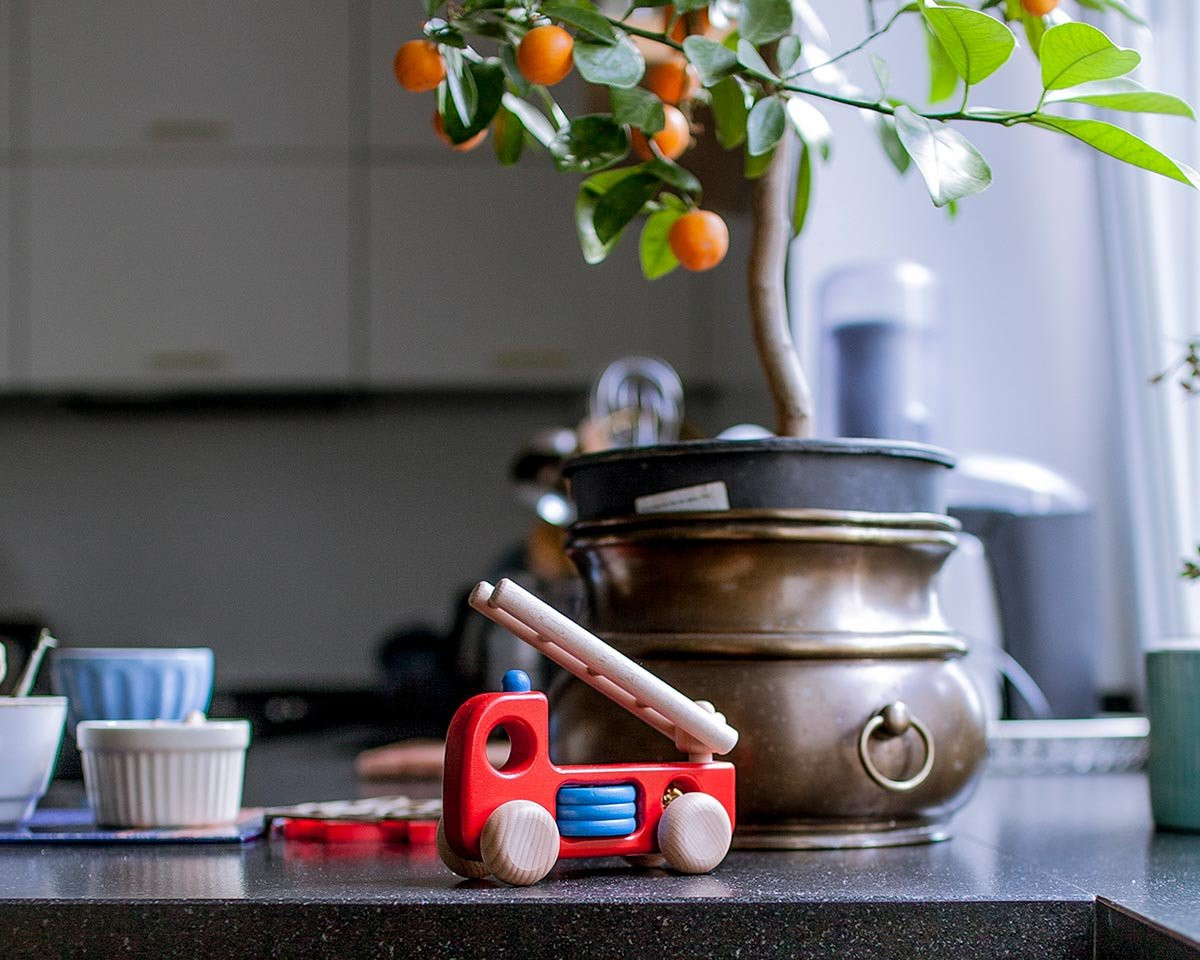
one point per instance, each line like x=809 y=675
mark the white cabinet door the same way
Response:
x=477 y=280
x=5 y=326
x=6 y=52
x=136 y=73
x=177 y=276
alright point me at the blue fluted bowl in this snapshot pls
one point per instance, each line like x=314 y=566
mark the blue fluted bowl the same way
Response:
x=133 y=683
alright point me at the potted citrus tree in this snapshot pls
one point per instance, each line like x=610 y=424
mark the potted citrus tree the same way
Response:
x=792 y=580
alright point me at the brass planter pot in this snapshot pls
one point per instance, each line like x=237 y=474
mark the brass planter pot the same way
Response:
x=818 y=633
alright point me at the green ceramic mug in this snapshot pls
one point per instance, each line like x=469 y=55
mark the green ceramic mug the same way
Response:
x=1173 y=697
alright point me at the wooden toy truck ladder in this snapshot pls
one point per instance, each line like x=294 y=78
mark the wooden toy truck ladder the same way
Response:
x=693 y=726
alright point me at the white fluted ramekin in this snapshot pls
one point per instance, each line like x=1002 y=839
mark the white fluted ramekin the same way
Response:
x=158 y=773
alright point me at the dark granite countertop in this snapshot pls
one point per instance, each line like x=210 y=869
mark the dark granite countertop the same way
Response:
x=1040 y=867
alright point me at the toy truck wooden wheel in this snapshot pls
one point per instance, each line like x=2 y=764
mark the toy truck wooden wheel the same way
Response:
x=694 y=833
x=471 y=869
x=519 y=842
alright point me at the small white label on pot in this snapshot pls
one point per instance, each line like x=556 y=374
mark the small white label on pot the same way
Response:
x=704 y=496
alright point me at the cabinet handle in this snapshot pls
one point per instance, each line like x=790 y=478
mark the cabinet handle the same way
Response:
x=188 y=361
x=172 y=130
x=894 y=720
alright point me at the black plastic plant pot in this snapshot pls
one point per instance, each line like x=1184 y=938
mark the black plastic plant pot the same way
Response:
x=777 y=473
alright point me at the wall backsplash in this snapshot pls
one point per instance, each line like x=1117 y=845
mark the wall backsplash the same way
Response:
x=288 y=541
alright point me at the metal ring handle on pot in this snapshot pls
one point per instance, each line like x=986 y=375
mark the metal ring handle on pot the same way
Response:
x=895 y=720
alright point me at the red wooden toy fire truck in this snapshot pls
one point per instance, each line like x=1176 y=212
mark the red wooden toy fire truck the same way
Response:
x=514 y=822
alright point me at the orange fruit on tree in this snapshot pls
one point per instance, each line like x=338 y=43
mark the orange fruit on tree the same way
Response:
x=672 y=140
x=693 y=22
x=1039 y=8
x=544 y=55
x=440 y=129
x=418 y=66
x=699 y=240
x=672 y=81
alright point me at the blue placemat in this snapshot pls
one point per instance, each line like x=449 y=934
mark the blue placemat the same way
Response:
x=77 y=826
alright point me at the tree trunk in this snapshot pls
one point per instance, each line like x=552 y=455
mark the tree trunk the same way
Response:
x=768 y=295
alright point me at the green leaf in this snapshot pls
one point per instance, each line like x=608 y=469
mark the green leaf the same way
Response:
x=581 y=15
x=713 y=61
x=589 y=143
x=730 y=110
x=1123 y=93
x=976 y=44
x=950 y=164
x=509 y=139
x=599 y=184
x=1116 y=142
x=439 y=31
x=943 y=78
x=622 y=203
x=885 y=130
x=811 y=126
x=594 y=250
x=761 y=21
x=800 y=201
x=654 y=248
x=752 y=60
x=508 y=57
x=1035 y=29
x=591 y=191
x=463 y=93
x=1074 y=53
x=472 y=6
x=1117 y=6
x=687 y=6
x=531 y=119
x=755 y=167
x=672 y=174
x=638 y=108
x=487 y=79
x=787 y=54
x=764 y=126
x=486 y=28
x=615 y=65
x=883 y=73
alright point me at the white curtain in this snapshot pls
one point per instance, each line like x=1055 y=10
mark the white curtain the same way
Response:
x=1151 y=233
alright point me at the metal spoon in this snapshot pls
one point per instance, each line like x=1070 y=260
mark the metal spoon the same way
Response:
x=45 y=642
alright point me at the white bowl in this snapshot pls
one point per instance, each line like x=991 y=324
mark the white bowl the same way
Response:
x=160 y=773
x=31 y=730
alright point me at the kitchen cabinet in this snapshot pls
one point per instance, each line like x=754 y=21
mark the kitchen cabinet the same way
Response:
x=5 y=329
x=6 y=43
x=152 y=73
x=188 y=276
x=237 y=195
x=499 y=294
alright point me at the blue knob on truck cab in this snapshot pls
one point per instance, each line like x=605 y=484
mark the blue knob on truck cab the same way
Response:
x=516 y=681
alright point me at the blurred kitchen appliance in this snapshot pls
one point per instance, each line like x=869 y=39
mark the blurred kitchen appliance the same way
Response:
x=1038 y=532
x=882 y=378
x=880 y=345
x=640 y=400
